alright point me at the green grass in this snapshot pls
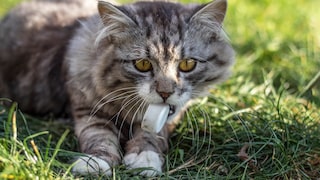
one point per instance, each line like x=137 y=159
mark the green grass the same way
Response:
x=269 y=108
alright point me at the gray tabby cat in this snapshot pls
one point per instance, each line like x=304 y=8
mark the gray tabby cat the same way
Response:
x=103 y=67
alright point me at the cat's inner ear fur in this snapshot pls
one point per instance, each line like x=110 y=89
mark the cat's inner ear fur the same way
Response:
x=116 y=22
x=110 y=14
x=211 y=15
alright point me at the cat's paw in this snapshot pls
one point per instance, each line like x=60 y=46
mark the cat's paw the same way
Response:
x=146 y=159
x=91 y=165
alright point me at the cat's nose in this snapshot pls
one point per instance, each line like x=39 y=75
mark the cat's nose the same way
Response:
x=164 y=95
x=164 y=87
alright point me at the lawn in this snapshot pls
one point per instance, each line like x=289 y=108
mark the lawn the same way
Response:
x=263 y=123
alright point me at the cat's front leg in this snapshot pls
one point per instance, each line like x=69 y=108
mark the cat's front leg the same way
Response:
x=98 y=139
x=145 y=150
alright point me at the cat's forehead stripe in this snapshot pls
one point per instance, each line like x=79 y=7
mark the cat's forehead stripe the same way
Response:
x=162 y=24
x=165 y=41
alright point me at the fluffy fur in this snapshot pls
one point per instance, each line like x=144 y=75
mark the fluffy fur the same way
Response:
x=70 y=58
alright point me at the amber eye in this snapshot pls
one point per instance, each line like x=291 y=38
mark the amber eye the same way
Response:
x=143 y=65
x=187 y=65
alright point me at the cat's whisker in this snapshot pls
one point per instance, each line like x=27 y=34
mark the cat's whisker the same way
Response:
x=234 y=113
x=125 y=104
x=115 y=98
x=93 y=113
x=124 y=96
x=128 y=112
x=135 y=95
x=192 y=129
x=227 y=105
x=193 y=126
x=191 y=118
x=134 y=114
x=111 y=93
x=138 y=109
x=203 y=143
x=103 y=104
x=206 y=123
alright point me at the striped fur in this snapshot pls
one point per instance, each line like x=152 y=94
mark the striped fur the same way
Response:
x=86 y=69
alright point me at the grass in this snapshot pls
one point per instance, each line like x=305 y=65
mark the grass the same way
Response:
x=263 y=123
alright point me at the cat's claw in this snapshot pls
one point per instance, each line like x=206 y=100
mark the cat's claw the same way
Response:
x=91 y=165
x=146 y=159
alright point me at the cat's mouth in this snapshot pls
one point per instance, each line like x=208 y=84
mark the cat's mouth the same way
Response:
x=172 y=109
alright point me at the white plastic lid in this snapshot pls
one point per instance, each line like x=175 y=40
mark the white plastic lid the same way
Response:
x=155 y=117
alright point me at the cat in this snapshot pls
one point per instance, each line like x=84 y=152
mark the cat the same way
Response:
x=103 y=64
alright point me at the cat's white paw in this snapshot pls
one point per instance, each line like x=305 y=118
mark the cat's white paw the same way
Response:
x=146 y=159
x=91 y=165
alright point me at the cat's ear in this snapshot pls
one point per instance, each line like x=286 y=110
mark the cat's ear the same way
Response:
x=212 y=14
x=112 y=16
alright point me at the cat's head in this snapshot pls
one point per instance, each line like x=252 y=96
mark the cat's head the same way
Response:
x=170 y=53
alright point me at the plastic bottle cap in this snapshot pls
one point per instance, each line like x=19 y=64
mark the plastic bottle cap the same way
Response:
x=155 y=117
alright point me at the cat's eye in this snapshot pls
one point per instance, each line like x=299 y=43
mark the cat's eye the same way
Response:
x=143 y=65
x=187 y=65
